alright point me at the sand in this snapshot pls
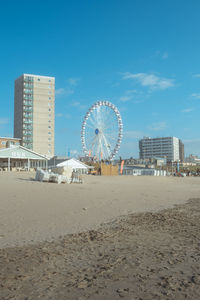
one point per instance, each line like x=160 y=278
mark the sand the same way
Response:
x=32 y=211
x=134 y=238
x=137 y=257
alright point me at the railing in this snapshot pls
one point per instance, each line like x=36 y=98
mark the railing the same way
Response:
x=28 y=103
x=28 y=85
x=28 y=127
x=28 y=79
x=26 y=109
x=27 y=140
x=30 y=97
x=27 y=91
x=27 y=115
x=25 y=121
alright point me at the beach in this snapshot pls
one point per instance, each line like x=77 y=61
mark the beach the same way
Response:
x=108 y=238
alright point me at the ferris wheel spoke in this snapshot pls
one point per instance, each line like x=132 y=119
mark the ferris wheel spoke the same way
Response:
x=99 y=148
x=108 y=124
x=106 y=144
x=102 y=149
x=92 y=127
x=91 y=142
x=92 y=122
x=107 y=118
x=111 y=143
x=110 y=138
x=112 y=133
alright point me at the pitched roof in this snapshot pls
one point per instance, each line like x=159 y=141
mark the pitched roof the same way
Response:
x=74 y=163
x=19 y=152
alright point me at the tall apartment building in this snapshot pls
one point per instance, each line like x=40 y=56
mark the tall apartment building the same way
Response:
x=170 y=148
x=34 y=113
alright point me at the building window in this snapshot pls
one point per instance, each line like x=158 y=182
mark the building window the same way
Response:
x=49 y=109
x=49 y=80
x=3 y=143
x=38 y=79
x=49 y=127
x=49 y=132
x=49 y=139
x=49 y=98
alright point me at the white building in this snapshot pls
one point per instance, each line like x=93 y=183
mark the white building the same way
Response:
x=34 y=113
x=170 y=148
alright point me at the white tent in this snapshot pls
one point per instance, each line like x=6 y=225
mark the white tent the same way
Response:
x=75 y=164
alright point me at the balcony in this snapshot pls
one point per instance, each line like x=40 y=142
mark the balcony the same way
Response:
x=28 y=127
x=28 y=85
x=28 y=109
x=28 y=103
x=28 y=91
x=28 y=79
x=27 y=115
x=27 y=140
x=27 y=121
x=28 y=97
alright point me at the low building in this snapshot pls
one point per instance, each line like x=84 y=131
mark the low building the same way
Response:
x=54 y=161
x=137 y=171
x=6 y=142
x=17 y=158
x=192 y=159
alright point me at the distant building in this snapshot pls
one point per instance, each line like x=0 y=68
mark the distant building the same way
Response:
x=193 y=159
x=181 y=151
x=34 y=113
x=170 y=148
x=6 y=142
x=54 y=161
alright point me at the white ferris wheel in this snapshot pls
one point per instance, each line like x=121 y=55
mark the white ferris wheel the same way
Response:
x=101 y=132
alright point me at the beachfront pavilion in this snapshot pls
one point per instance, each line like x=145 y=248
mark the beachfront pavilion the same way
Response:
x=18 y=158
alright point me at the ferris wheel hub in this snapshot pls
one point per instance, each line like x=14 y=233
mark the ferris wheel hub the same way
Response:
x=96 y=131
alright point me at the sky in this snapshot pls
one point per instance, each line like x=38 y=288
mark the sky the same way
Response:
x=141 y=55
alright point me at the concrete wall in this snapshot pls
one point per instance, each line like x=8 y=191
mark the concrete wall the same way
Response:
x=18 y=108
x=43 y=115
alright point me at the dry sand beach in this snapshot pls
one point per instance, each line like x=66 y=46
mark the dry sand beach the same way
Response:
x=110 y=238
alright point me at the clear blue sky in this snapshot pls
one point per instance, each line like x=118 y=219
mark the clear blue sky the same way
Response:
x=141 y=55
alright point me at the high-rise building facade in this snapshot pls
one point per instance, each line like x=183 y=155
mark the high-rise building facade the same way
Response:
x=34 y=112
x=170 y=148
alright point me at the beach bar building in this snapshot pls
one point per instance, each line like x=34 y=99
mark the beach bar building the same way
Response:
x=17 y=158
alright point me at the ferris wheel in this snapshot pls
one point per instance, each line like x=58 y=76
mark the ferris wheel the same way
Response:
x=101 y=132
